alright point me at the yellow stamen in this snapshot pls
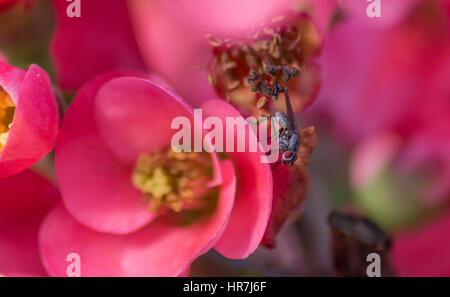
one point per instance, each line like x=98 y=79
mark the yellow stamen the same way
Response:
x=7 y=109
x=173 y=180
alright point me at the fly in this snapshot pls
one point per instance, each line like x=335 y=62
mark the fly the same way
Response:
x=288 y=138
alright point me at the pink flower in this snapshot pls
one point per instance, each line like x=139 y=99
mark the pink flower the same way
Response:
x=384 y=90
x=29 y=118
x=321 y=12
x=372 y=157
x=391 y=11
x=380 y=76
x=5 y=4
x=423 y=252
x=389 y=80
x=100 y=40
x=171 y=49
x=193 y=44
x=133 y=207
x=26 y=198
x=228 y=17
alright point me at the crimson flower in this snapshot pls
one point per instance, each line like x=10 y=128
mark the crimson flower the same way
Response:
x=29 y=119
x=135 y=207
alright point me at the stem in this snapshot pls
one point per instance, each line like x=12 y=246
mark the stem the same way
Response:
x=289 y=111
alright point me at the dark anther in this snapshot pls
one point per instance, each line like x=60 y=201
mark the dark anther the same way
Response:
x=253 y=80
x=272 y=70
x=252 y=76
x=288 y=74
x=262 y=86
x=277 y=89
x=264 y=89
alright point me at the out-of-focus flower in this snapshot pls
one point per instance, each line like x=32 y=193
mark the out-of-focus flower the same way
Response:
x=424 y=252
x=378 y=78
x=136 y=207
x=230 y=18
x=29 y=119
x=251 y=71
x=186 y=42
x=171 y=48
x=100 y=40
x=386 y=187
x=393 y=192
x=390 y=80
x=24 y=201
x=321 y=11
x=6 y=4
x=391 y=11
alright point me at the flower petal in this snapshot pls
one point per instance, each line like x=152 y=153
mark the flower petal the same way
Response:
x=24 y=201
x=230 y=17
x=392 y=11
x=101 y=40
x=36 y=119
x=95 y=186
x=252 y=207
x=160 y=249
x=173 y=49
x=134 y=116
x=142 y=123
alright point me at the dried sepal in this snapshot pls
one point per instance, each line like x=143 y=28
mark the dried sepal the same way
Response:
x=291 y=185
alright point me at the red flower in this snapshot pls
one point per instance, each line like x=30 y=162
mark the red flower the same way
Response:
x=134 y=206
x=29 y=118
x=210 y=47
x=6 y=4
x=390 y=79
x=100 y=40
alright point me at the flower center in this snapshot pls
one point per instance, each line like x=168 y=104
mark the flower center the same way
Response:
x=247 y=73
x=175 y=181
x=7 y=109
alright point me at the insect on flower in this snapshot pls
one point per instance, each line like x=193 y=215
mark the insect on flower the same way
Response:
x=288 y=138
x=287 y=135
